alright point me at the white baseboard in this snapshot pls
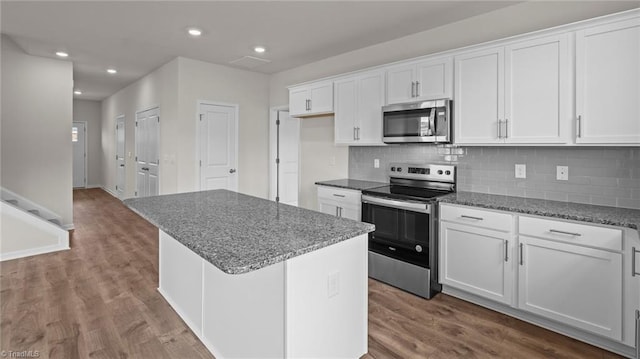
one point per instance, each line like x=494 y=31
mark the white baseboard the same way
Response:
x=89 y=186
x=34 y=251
x=109 y=192
x=68 y=227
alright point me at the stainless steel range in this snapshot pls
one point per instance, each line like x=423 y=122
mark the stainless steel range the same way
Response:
x=403 y=249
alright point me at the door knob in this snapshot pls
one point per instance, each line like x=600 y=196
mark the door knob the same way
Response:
x=233 y=170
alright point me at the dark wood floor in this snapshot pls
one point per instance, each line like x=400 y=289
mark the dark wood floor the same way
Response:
x=99 y=300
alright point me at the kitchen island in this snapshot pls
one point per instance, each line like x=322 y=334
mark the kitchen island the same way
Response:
x=257 y=279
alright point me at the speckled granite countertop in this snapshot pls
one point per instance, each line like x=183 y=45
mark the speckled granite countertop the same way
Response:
x=358 y=185
x=239 y=233
x=623 y=217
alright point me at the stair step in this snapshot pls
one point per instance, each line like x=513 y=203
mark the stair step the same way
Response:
x=12 y=201
x=55 y=221
x=34 y=211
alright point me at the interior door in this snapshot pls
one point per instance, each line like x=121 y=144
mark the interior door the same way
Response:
x=218 y=147
x=78 y=137
x=120 y=165
x=147 y=152
x=289 y=155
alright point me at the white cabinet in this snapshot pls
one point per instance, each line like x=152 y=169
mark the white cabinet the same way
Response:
x=608 y=83
x=517 y=94
x=476 y=252
x=358 y=104
x=311 y=99
x=420 y=80
x=340 y=202
x=569 y=273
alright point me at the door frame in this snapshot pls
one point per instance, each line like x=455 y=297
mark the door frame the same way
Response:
x=135 y=146
x=273 y=116
x=124 y=123
x=86 y=172
x=198 y=168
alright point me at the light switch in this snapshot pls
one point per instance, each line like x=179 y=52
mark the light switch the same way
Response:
x=376 y=163
x=521 y=171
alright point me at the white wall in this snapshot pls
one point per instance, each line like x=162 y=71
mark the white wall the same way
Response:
x=36 y=129
x=90 y=112
x=317 y=133
x=250 y=90
x=159 y=88
x=177 y=87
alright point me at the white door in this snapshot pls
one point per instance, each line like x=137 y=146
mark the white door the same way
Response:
x=608 y=83
x=285 y=141
x=218 y=147
x=147 y=152
x=479 y=94
x=79 y=139
x=120 y=163
x=537 y=91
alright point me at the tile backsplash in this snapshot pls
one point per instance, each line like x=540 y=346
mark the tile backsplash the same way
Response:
x=608 y=176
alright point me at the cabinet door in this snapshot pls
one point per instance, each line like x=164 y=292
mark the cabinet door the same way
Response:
x=479 y=96
x=575 y=285
x=370 y=100
x=345 y=111
x=321 y=97
x=476 y=260
x=298 y=101
x=434 y=79
x=537 y=91
x=350 y=212
x=608 y=83
x=328 y=207
x=400 y=82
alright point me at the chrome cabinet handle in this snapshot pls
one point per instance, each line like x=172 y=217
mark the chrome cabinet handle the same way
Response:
x=499 y=128
x=358 y=133
x=413 y=89
x=633 y=262
x=565 y=233
x=472 y=217
x=354 y=134
x=338 y=195
x=145 y=168
x=506 y=250
x=579 y=126
x=310 y=104
x=417 y=88
x=506 y=128
x=340 y=211
x=521 y=255
x=337 y=215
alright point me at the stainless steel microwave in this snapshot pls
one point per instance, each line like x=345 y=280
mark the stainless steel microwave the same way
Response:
x=417 y=122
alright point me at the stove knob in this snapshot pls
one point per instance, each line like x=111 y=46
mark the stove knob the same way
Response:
x=439 y=172
x=447 y=172
x=399 y=169
x=419 y=248
x=393 y=169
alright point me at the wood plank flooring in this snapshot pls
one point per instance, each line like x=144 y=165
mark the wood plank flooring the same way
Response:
x=99 y=300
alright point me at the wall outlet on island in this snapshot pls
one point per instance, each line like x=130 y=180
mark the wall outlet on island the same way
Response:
x=521 y=171
x=562 y=173
x=376 y=163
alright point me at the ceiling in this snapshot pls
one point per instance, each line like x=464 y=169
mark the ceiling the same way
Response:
x=137 y=37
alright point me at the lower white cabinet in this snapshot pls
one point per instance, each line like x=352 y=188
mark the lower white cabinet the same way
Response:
x=544 y=270
x=340 y=202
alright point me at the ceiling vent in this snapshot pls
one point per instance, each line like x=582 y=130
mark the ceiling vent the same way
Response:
x=249 y=62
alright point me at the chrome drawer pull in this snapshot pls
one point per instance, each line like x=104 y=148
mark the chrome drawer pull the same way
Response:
x=633 y=262
x=563 y=232
x=472 y=217
x=506 y=251
x=638 y=334
x=338 y=195
x=521 y=254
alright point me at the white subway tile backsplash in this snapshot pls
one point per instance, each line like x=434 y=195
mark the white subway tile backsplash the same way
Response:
x=602 y=176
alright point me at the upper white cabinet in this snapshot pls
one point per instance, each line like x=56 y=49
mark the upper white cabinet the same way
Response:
x=608 y=83
x=358 y=105
x=420 y=80
x=516 y=94
x=311 y=99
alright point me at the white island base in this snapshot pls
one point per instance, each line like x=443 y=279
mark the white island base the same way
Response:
x=310 y=306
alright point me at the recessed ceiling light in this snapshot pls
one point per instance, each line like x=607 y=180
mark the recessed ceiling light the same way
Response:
x=77 y=92
x=62 y=54
x=112 y=71
x=259 y=49
x=194 y=32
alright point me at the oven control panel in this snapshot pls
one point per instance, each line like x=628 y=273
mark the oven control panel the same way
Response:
x=424 y=171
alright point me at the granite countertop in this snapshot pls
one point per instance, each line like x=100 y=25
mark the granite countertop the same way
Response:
x=615 y=216
x=358 y=185
x=239 y=233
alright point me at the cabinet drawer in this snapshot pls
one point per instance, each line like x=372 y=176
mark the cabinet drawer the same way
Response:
x=580 y=234
x=477 y=217
x=345 y=196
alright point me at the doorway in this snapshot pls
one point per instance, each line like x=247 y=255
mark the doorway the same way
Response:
x=120 y=153
x=218 y=138
x=284 y=154
x=147 y=139
x=79 y=140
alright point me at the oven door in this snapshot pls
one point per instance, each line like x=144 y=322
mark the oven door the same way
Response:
x=403 y=229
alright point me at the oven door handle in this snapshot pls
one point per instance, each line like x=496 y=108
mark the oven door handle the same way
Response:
x=409 y=206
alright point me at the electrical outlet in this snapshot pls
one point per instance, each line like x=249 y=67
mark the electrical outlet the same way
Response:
x=333 y=284
x=521 y=171
x=376 y=163
x=562 y=173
